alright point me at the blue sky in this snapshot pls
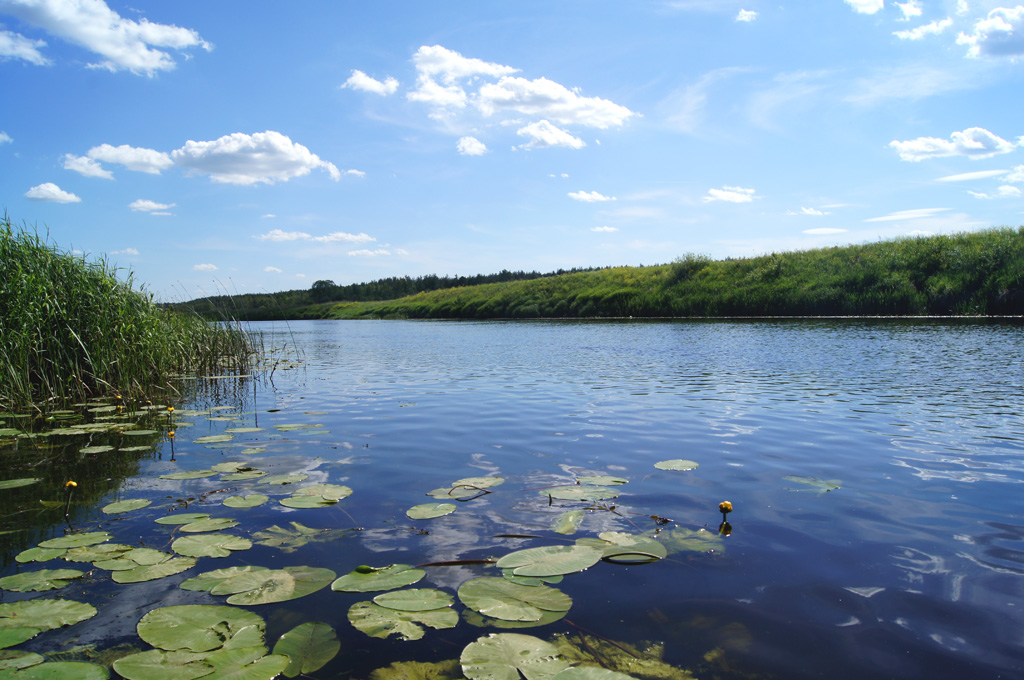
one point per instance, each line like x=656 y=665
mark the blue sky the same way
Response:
x=216 y=147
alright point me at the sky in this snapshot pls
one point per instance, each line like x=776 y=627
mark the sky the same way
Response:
x=245 y=147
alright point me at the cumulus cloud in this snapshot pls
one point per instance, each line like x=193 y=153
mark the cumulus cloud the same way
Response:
x=1000 y=34
x=824 y=231
x=589 y=197
x=125 y=251
x=1016 y=175
x=86 y=166
x=910 y=9
x=360 y=81
x=730 y=195
x=543 y=134
x=122 y=43
x=471 y=146
x=273 y=270
x=334 y=237
x=866 y=6
x=143 y=205
x=1005 y=191
x=266 y=157
x=5 y=138
x=204 y=267
x=447 y=65
x=133 y=158
x=934 y=28
x=51 y=193
x=810 y=211
x=604 y=230
x=917 y=214
x=973 y=142
x=546 y=98
x=369 y=253
x=967 y=176
x=746 y=15
x=16 y=46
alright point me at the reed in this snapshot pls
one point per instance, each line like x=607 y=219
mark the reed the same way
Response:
x=71 y=330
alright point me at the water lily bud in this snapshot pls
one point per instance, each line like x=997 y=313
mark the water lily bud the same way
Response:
x=725 y=507
x=170 y=408
x=70 y=484
x=170 y=434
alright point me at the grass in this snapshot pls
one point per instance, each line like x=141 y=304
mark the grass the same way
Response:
x=71 y=330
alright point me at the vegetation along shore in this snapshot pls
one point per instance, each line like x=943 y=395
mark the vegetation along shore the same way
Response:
x=71 y=330
x=977 y=273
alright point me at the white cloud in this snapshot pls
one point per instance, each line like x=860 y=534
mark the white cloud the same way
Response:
x=239 y=158
x=908 y=82
x=360 y=81
x=274 y=270
x=355 y=173
x=126 y=251
x=589 y=197
x=967 y=176
x=1017 y=175
x=133 y=158
x=204 y=267
x=449 y=66
x=934 y=28
x=918 y=214
x=143 y=205
x=746 y=15
x=16 y=46
x=962 y=7
x=334 y=237
x=471 y=146
x=51 y=193
x=973 y=142
x=543 y=135
x=122 y=43
x=369 y=253
x=5 y=138
x=547 y=99
x=730 y=195
x=824 y=231
x=1000 y=34
x=86 y=166
x=1005 y=191
x=604 y=230
x=866 y=6
x=910 y=9
x=810 y=211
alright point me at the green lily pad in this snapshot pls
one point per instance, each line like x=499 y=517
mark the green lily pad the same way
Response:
x=281 y=480
x=335 y=492
x=479 y=620
x=430 y=510
x=685 y=540
x=253 y=450
x=135 y=449
x=819 y=485
x=15 y=635
x=208 y=524
x=134 y=557
x=182 y=518
x=623 y=548
x=126 y=505
x=246 y=663
x=370 y=579
x=580 y=492
x=290 y=540
x=292 y=427
x=15 y=483
x=76 y=540
x=243 y=430
x=97 y=553
x=209 y=580
x=201 y=627
x=309 y=647
x=454 y=492
x=275 y=585
x=550 y=560
x=414 y=600
x=209 y=545
x=248 y=501
x=602 y=480
x=482 y=482
x=159 y=664
x=501 y=599
x=306 y=502
x=591 y=673
x=381 y=622
x=44 y=579
x=193 y=474
x=244 y=475
x=152 y=572
x=503 y=656
x=65 y=670
x=96 y=449
x=138 y=433
x=39 y=554
x=12 y=659
x=230 y=466
x=44 y=614
x=531 y=580
x=213 y=439
x=568 y=522
x=677 y=464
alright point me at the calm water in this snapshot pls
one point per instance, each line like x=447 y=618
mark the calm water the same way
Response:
x=913 y=567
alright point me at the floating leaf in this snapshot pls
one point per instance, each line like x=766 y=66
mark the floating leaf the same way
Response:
x=381 y=622
x=209 y=580
x=430 y=510
x=138 y=433
x=550 y=560
x=580 y=492
x=246 y=663
x=568 y=522
x=456 y=492
x=200 y=627
x=230 y=466
x=819 y=485
x=208 y=524
x=530 y=580
x=285 y=479
x=685 y=540
x=134 y=449
x=248 y=501
x=309 y=647
x=96 y=553
x=479 y=620
x=482 y=482
x=96 y=449
x=39 y=554
x=182 y=518
x=15 y=483
x=194 y=474
x=158 y=664
x=65 y=670
x=623 y=548
x=334 y=492
x=291 y=540
x=602 y=480
x=15 y=635
x=291 y=427
x=213 y=439
x=126 y=505
x=134 y=557
x=76 y=540
x=306 y=502
x=591 y=673
x=369 y=579
x=414 y=600
x=209 y=545
x=276 y=585
x=44 y=579
x=44 y=614
x=243 y=430
x=174 y=565
x=254 y=449
x=11 y=659
x=244 y=475
x=501 y=599
x=676 y=464
x=503 y=656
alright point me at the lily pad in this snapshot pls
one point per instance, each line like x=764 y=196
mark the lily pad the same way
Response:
x=159 y=664
x=39 y=554
x=482 y=482
x=501 y=599
x=686 y=540
x=819 y=485
x=309 y=647
x=602 y=480
x=209 y=580
x=290 y=540
x=243 y=430
x=213 y=439
x=44 y=579
x=151 y=572
x=96 y=553
x=15 y=483
x=208 y=524
x=625 y=548
x=76 y=540
x=209 y=545
x=126 y=505
x=531 y=580
x=306 y=502
x=192 y=474
x=369 y=579
x=580 y=492
x=381 y=622
x=264 y=586
x=134 y=557
x=550 y=560
x=96 y=449
x=12 y=659
x=568 y=522
x=281 y=480
x=65 y=670
x=414 y=600
x=430 y=510
x=503 y=656
x=44 y=614
x=182 y=518
x=200 y=627
x=334 y=492
x=248 y=501
x=479 y=620
x=138 y=433
x=244 y=475
x=246 y=663
x=677 y=464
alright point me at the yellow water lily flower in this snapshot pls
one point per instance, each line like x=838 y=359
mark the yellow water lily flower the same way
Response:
x=725 y=507
x=70 y=484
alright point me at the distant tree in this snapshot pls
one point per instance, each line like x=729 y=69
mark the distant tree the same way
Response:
x=322 y=290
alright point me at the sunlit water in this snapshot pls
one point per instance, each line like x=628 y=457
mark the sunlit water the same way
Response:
x=913 y=567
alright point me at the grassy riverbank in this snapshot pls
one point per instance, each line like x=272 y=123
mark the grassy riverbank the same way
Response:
x=70 y=330
x=979 y=273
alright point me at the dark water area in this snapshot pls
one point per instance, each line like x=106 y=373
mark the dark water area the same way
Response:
x=874 y=467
